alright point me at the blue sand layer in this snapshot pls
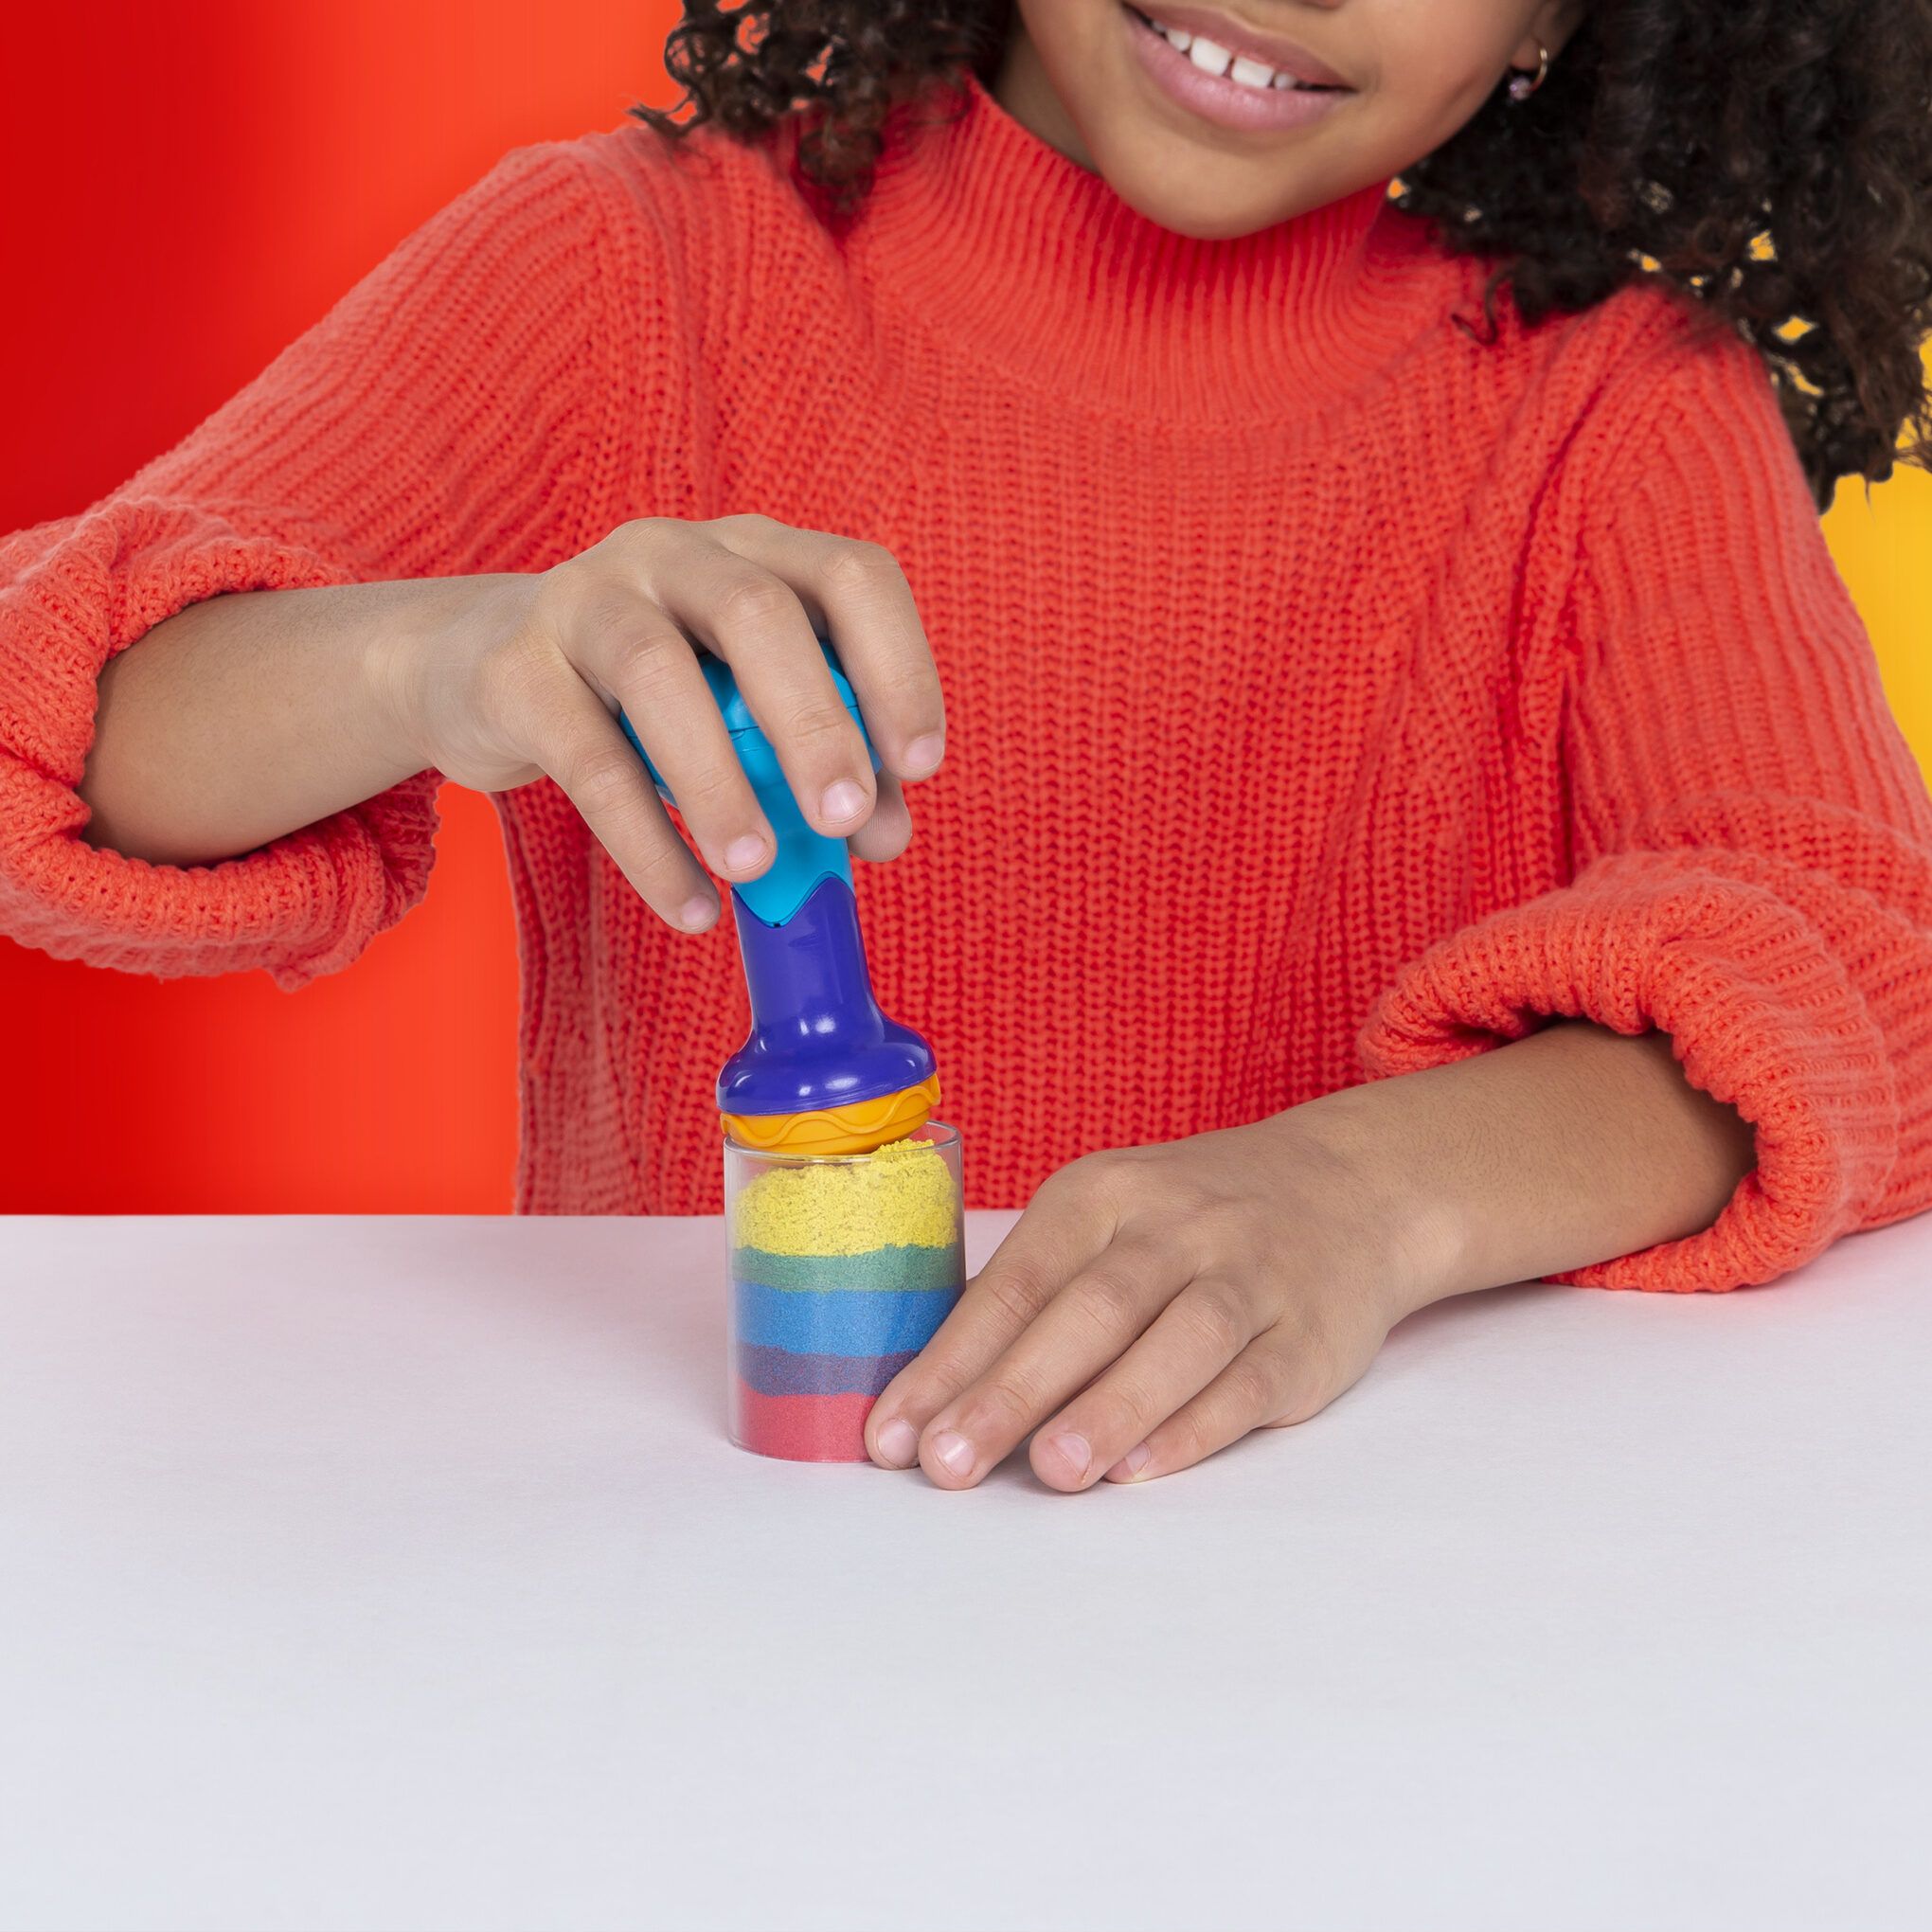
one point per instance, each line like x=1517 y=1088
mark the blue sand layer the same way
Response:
x=778 y=1371
x=842 y=1321
x=895 y=1265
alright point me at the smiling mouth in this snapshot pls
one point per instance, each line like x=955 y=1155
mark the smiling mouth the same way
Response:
x=1219 y=60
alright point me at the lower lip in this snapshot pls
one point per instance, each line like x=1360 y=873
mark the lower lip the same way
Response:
x=1215 y=98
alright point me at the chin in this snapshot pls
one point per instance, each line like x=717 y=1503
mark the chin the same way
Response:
x=1203 y=212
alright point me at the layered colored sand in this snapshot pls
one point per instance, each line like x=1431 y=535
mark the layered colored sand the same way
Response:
x=840 y=1271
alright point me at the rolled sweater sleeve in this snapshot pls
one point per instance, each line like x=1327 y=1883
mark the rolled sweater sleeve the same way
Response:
x=449 y=415
x=1751 y=837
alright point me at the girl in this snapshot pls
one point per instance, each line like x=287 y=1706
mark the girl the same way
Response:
x=1420 y=810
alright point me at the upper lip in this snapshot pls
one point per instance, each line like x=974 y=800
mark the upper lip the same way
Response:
x=1284 y=56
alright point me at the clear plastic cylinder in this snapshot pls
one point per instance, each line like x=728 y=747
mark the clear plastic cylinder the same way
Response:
x=841 y=1267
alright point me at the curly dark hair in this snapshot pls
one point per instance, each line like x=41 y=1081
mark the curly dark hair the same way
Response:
x=1769 y=159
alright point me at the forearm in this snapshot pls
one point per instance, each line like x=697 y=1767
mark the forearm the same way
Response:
x=1572 y=1145
x=248 y=715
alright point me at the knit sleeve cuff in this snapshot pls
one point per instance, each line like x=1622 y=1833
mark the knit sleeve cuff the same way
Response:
x=302 y=905
x=1761 y=1015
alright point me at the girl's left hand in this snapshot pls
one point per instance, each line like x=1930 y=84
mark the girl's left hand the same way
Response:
x=1154 y=1303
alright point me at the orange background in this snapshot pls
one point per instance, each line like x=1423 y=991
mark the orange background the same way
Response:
x=183 y=190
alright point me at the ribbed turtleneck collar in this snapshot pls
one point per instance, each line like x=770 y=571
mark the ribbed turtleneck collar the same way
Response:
x=1020 y=255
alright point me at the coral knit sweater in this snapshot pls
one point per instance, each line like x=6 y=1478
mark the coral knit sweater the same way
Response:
x=1331 y=693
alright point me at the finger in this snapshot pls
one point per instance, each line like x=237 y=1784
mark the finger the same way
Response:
x=1086 y=1325
x=888 y=832
x=630 y=648
x=1068 y=1223
x=856 y=592
x=581 y=746
x=754 y=621
x=1283 y=1376
x=1190 y=1341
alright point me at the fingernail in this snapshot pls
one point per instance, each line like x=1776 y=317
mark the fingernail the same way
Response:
x=1076 y=1452
x=954 y=1452
x=842 y=801
x=923 y=755
x=696 y=915
x=1131 y=1464
x=743 y=852
x=899 y=1443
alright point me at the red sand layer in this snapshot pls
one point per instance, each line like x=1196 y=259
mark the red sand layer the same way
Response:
x=800 y=1428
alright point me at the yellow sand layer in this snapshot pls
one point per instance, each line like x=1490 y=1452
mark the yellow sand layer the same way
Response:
x=901 y=1193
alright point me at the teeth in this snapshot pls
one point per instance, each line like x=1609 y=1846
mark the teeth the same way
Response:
x=1217 y=60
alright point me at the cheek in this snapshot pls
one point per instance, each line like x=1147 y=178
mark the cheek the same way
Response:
x=1438 y=60
x=1078 y=48
x=1068 y=33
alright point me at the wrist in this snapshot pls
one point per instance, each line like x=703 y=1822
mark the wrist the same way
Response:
x=431 y=633
x=1421 y=1239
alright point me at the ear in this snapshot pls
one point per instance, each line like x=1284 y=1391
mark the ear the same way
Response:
x=1552 y=23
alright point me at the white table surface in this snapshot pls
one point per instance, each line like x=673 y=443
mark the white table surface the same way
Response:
x=395 y=1573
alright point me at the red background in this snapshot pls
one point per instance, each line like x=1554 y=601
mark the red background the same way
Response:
x=183 y=190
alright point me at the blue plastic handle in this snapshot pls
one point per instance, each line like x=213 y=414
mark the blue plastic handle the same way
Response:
x=817 y=1038
x=804 y=856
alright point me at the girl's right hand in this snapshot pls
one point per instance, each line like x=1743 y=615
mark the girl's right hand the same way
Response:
x=528 y=680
